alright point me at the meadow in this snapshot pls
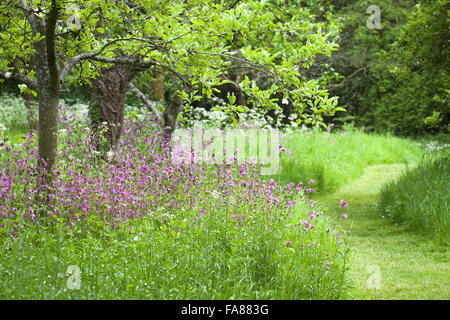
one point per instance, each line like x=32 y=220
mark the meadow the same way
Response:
x=132 y=224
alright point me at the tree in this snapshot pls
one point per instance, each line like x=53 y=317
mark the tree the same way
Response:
x=422 y=50
x=190 y=40
x=392 y=78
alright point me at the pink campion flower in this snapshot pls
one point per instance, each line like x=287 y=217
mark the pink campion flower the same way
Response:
x=309 y=190
x=143 y=168
x=344 y=216
x=343 y=203
x=311 y=181
x=232 y=216
x=288 y=243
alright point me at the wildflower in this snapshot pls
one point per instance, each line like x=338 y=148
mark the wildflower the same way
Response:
x=288 y=243
x=344 y=216
x=311 y=181
x=232 y=216
x=343 y=203
x=143 y=168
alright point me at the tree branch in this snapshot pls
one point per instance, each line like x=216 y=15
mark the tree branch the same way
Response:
x=22 y=78
x=95 y=55
x=150 y=104
x=51 y=45
x=331 y=86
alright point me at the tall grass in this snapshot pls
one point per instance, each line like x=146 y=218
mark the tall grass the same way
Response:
x=334 y=158
x=420 y=198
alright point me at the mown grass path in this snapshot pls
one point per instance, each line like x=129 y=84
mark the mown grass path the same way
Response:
x=386 y=260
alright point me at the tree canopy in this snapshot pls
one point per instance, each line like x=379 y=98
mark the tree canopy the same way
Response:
x=45 y=43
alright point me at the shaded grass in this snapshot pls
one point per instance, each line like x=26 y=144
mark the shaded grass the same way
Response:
x=410 y=265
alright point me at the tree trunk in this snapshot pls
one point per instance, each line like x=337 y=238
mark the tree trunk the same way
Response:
x=171 y=114
x=48 y=128
x=109 y=93
x=158 y=86
x=32 y=121
x=47 y=76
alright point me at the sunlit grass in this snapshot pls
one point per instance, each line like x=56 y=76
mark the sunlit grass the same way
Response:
x=334 y=158
x=410 y=265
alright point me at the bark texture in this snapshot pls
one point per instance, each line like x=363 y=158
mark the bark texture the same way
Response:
x=171 y=114
x=109 y=94
x=48 y=90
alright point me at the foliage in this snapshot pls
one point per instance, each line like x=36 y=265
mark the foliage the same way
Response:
x=258 y=117
x=13 y=112
x=193 y=41
x=375 y=88
x=422 y=43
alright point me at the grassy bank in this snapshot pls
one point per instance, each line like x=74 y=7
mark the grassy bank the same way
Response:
x=420 y=198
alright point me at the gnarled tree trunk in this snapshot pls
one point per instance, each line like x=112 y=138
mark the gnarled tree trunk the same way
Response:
x=158 y=85
x=109 y=94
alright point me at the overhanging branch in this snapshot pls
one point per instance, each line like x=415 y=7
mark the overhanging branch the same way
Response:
x=150 y=104
x=22 y=78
